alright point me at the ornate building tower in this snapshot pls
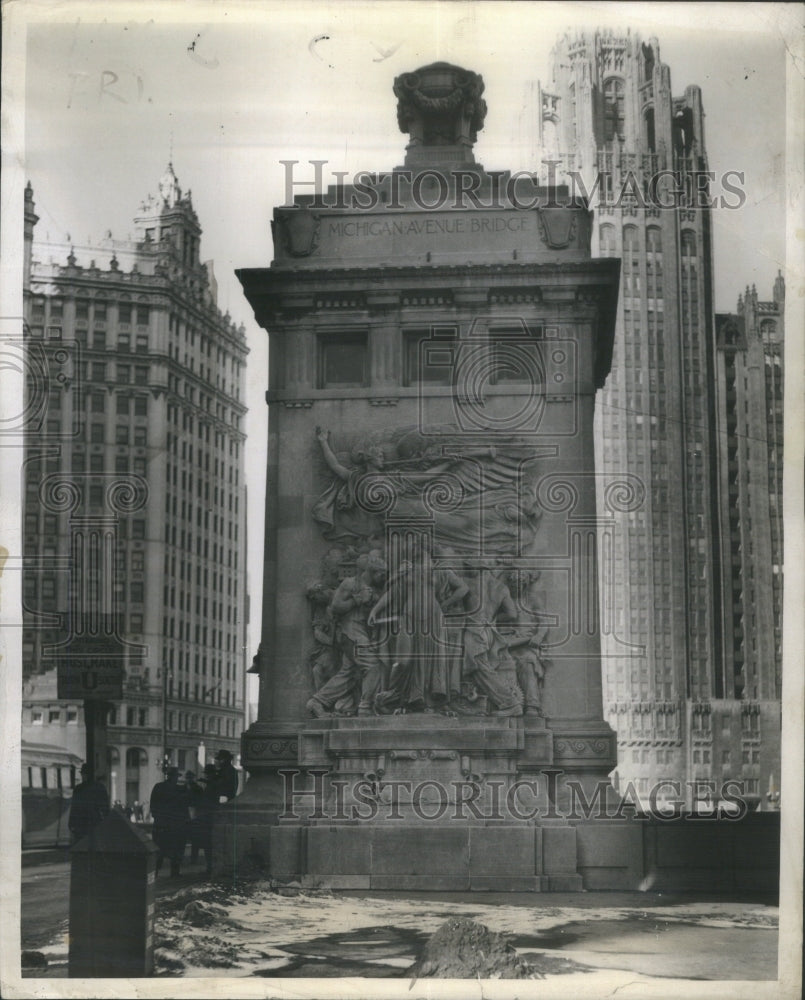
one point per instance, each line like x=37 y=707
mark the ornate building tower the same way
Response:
x=134 y=499
x=677 y=587
x=749 y=391
x=620 y=128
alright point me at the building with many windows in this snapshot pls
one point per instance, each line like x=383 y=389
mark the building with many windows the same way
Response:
x=669 y=576
x=134 y=494
x=749 y=368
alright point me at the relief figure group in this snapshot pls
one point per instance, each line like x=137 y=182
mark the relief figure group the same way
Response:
x=402 y=621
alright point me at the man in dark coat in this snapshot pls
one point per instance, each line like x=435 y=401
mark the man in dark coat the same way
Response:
x=204 y=802
x=227 y=775
x=171 y=815
x=90 y=804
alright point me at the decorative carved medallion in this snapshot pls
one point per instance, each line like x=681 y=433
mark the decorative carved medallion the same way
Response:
x=557 y=227
x=299 y=230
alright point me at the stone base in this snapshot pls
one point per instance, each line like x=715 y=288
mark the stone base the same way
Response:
x=334 y=802
x=628 y=854
x=465 y=857
x=416 y=802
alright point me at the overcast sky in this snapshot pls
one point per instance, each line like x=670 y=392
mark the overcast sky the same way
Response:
x=232 y=89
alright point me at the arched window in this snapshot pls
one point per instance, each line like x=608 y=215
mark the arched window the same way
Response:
x=654 y=239
x=613 y=109
x=648 y=63
x=688 y=243
x=607 y=240
x=648 y=121
x=631 y=261
x=572 y=99
x=654 y=262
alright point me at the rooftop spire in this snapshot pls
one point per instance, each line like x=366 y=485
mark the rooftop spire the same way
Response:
x=169 y=189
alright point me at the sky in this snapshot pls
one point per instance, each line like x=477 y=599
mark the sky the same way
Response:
x=227 y=91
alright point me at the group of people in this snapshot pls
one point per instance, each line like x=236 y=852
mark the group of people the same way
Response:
x=421 y=636
x=184 y=811
x=133 y=813
x=181 y=811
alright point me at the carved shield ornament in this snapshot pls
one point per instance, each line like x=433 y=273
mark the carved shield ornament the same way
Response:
x=557 y=227
x=300 y=231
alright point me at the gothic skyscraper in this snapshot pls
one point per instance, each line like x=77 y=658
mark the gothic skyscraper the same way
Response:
x=610 y=122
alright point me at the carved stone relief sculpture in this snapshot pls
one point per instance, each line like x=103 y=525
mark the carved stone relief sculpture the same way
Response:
x=418 y=608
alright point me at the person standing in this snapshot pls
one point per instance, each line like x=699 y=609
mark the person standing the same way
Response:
x=194 y=792
x=227 y=776
x=204 y=802
x=171 y=815
x=90 y=804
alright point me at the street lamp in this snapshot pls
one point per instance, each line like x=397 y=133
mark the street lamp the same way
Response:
x=166 y=673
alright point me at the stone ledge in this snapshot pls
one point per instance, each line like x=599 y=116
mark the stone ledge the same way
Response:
x=507 y=883
x=420 y=733
x=425 y=883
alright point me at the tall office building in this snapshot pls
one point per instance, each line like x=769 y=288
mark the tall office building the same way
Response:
x=749 y=390
x=134 y=494
x=610 y=122
x=750 y=359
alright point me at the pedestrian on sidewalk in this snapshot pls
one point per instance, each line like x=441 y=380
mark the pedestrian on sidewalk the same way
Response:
x=205 y=804
x=90 y=804
x=171 y=815
x=228 y=778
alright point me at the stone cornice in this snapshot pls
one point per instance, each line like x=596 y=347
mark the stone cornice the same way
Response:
x=252 y=277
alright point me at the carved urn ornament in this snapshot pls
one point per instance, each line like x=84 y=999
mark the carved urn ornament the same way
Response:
x=440 y=106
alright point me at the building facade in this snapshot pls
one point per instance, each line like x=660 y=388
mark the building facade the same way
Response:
x=134 y=493
x=610 y=124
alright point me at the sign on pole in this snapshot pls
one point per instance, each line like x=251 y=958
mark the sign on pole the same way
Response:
x=90 y=679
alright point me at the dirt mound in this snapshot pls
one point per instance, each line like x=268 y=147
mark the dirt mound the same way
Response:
x=201 y=914
x=193 y=893
x=175 y=953
x=464 y=949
